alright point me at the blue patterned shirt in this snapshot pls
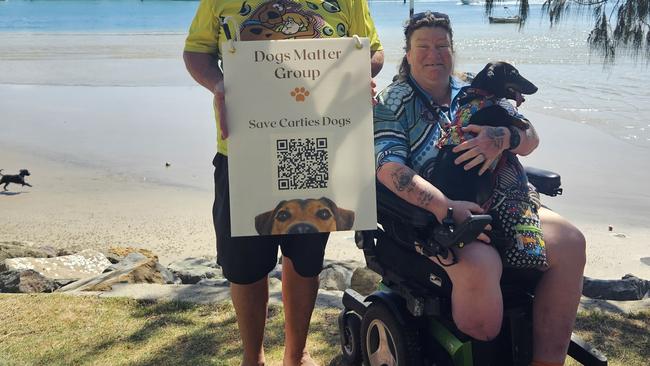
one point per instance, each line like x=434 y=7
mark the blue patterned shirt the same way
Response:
x=405 y=131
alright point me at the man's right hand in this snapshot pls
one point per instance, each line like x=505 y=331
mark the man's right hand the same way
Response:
x=220 y=105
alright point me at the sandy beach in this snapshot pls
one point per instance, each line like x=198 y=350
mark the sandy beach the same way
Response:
x=95 y=117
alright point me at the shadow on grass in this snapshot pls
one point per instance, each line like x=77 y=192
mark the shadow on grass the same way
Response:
x=625 y=337
x=200 y=332
x=176 y=333
x=205 y=344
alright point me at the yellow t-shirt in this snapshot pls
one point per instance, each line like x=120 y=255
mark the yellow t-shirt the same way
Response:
x=276 y=19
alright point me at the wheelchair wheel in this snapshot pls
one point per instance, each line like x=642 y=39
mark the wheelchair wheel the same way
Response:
x=349 y=328
x=386 y=342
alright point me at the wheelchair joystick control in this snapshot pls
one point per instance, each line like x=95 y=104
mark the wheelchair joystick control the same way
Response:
x=449 y=234
x=448 y=221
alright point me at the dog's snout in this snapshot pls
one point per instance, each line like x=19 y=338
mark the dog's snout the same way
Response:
x=302 y=228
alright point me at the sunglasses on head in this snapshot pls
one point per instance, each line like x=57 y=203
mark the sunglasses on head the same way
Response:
x=436 y=16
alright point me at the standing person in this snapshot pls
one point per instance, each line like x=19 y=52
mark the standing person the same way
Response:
x=246 y=261
x=405 y=135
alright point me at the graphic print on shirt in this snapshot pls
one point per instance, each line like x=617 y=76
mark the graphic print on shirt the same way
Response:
x=284 y=19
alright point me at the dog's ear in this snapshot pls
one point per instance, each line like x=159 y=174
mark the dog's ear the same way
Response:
x=344 y=218
x=482 y=79
x=264 y=221
x=490 y=69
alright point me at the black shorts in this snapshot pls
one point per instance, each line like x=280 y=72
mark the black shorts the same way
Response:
x=248 y=259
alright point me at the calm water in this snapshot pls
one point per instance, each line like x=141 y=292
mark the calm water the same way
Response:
x=571 y=84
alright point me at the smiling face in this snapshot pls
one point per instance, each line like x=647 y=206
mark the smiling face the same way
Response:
x=430 y=56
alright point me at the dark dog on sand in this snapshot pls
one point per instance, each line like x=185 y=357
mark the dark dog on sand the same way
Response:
x=483 y=103
x=17 y=179
x=298 y=216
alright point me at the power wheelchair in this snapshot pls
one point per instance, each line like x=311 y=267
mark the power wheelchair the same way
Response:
x=407 y=321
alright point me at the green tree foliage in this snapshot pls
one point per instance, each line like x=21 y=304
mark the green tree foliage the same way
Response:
x=621 y=26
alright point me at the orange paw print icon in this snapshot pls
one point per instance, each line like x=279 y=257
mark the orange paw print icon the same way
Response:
x=300 y=94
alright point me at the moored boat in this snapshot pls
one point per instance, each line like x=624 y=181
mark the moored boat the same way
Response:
x=508 y=19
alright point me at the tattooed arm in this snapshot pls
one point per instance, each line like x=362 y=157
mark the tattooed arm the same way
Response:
x=414 y=189
x=529 y=140
x=489 y=143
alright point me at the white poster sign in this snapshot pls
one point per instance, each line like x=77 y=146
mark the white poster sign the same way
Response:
x=300 y=145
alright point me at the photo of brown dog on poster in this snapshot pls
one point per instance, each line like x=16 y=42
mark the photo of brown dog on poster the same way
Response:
x=302 y=216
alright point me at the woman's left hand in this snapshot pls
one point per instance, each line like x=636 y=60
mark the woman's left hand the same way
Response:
x=484 y=149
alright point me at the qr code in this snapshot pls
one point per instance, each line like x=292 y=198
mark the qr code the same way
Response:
x=302 y=163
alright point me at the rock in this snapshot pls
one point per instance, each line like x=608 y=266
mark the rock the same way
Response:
x=628 y=288
x=25 y=281
x=65 y=251
x=215 y=282
x=335 y=277
x=186 y=293
x=49 y=250
x=84 y=264
x=116 y=254
x=126 y=262
x=168 y=276
x=364 y=281
x=132 y=258
x=613 y=306
x=193 y=270
x=18 y=249
x=349 y=265
x=329 y=299
x=135 y=268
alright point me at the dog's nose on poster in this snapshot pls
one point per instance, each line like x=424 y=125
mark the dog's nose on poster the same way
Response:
x=302 y=229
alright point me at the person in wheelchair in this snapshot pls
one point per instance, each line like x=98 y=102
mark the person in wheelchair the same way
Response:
x=405 y=137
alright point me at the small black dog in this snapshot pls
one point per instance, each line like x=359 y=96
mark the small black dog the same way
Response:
x=17 y=179
x=482 y=103
x=504 y=190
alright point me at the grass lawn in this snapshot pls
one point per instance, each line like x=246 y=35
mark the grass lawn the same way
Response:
x=65 y=330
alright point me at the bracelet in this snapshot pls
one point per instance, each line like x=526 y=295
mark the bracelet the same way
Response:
x=515 y=139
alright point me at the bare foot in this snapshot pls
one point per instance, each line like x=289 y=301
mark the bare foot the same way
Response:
x=305 y=360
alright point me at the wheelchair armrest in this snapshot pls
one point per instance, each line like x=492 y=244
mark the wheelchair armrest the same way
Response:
x=546 y=182
x=395 y=208
x=408 y=223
